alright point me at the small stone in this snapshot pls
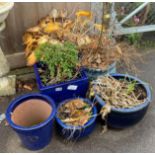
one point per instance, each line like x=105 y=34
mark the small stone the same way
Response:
x=8 y=85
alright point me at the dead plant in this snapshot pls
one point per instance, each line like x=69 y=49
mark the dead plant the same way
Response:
x=75 y=113
x=97 y=50
x=122 y=93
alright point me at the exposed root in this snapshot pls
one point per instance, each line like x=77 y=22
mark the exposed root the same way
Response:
x=76 y=113
x=119 y=93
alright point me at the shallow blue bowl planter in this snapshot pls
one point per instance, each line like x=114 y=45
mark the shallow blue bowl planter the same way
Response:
x=93 y=73
x=38 y=136
x=76 y=133
x=64 y=90
x=125 y=117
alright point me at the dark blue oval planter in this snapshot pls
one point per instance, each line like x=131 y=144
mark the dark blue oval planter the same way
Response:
x=125 y=117
x=93 y=73
x=76 y=133
x=38 y=136
x=64 y=90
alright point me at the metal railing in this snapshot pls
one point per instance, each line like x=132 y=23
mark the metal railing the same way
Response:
x=117 y=28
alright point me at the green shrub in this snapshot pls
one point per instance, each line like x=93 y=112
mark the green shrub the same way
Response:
x=61 y=60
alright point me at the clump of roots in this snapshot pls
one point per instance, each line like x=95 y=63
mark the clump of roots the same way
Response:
x=75 y=112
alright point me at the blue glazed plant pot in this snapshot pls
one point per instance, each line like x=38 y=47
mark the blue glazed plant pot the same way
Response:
x=64 y=90
x=93 y=73
x=125 y=117
x=38 y=135
x=76 y=132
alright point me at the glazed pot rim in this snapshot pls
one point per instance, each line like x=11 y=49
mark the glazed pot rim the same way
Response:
x=135 y=108
x=90 y=122
x=26 y=97
x=113 y=64
x=43 y=87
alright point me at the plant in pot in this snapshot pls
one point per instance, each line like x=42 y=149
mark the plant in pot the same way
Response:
x=122 y=99
x=58 y=72
x=98 y=51
x=76 y=118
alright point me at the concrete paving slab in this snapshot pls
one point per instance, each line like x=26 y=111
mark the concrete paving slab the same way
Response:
x=138 y=138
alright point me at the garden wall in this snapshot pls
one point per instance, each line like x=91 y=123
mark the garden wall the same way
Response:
x=25 y=15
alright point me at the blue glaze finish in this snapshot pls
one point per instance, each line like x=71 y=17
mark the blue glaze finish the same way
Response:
x=64 y=90
x=79 y=132
x=125 y=117
x=37 y=136
x=93 y=73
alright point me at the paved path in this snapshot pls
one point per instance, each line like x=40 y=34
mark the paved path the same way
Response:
x=139 y=138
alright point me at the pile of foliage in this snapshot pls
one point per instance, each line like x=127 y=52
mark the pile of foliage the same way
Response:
x=98 y=50
x=122 y=93
x=57 y=62
x=75 y=112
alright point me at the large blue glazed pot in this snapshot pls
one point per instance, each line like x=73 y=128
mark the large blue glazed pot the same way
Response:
x=64 y=90
x=78 y=132
x=37 y=136
x=93 y=73
x=125 y=117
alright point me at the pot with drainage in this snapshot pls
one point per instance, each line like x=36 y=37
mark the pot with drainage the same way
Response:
x=31 y=116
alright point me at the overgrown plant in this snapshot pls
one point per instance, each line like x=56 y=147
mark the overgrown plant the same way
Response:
x=61 y=61
x=117 y=93
x=121 y=93
x=75 y=112
x=97 y=50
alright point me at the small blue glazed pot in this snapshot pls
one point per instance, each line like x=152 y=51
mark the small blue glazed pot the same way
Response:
x=34 y=137
x=125 y=117
x=76 y=132
x=93 y=73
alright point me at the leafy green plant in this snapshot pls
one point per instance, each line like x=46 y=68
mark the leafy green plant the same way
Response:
x=134 y=38
x=139 y=42
x=131 y=87
x=61 y=61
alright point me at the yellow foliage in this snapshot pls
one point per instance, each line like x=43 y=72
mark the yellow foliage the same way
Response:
x=44 y=21
x=34 y=29
x=99 y=27
x=84 y=13
x=43 y=39
x=31 y=60
x=52 y=27
x=28 y=38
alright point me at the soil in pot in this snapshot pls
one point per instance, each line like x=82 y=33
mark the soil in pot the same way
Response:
x=75 y=112
x=46 y=79
x=120 y=93
x=31 y=112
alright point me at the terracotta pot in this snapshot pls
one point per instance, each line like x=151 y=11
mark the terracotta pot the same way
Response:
x=31 y=116
x=31 y=112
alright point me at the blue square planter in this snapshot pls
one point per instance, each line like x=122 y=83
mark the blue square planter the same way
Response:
x=64 y=90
